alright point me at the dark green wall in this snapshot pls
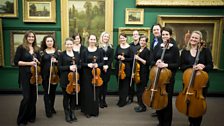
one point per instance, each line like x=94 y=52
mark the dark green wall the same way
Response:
x=8 y=74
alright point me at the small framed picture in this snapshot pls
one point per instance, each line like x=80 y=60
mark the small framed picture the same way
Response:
x=39 y=11
x=134 y=16
x=9 y=8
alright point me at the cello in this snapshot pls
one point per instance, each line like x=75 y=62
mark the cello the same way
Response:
x=190 y=101
x=73 y=85
x=155 y=95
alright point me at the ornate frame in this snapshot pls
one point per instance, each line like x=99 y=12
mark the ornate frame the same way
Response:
x=52 y=11
x=1 y=45
x=15 y=12
x=199 y=23
x=139 y=15
x=65 y=20
x=18 y=36
x=129 y=32
x=180 y=3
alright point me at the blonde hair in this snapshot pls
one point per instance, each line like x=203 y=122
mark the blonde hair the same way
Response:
x=196 y=32
x=101 y=39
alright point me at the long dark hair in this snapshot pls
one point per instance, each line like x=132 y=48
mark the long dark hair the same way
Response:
x=43 y=42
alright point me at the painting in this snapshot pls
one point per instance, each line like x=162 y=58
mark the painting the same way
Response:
x=134 y=16
x=16 y=39
x=39 y=11
x=180 y=3
x=210 y=26
x=8 y=8
x=1 y=45
x=129 y=32
x=86 y=17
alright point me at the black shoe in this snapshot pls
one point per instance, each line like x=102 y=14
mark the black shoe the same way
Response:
x=87 y=115
x=122 y=104
x=101 y=105
x=31 y=120
x=154 y=114
x=49 y=114
x=67 y=117
x=53 y=111
x=22 y=124
x=72 y=116
x=140 y=109
x=104 y=104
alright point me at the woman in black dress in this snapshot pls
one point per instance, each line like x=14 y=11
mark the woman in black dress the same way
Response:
x=143 y=59
x=90 y=104
x=123 y=54
x=205 y=63
x=171 y=62
x=108 y=59
x=79 y=48
x=27 y=55
x=65 y=66
x=49 y=59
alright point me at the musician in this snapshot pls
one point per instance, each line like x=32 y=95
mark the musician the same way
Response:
x=90 y=104
x=157 y=40
x=27 y=55
x=134 y=47
x=79 y=48
x=108 y=52
x=205 y=63
x=170 y=61
x=123 y=48
x=49 y=54
x=65 y=66
x=143 y=58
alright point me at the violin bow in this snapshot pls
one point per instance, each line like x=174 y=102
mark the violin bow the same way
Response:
x=36 y=76
x=76 y=87
x=49 y=82
x=94 y=85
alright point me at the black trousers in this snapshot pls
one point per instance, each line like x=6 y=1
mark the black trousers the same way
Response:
x=49 y=99
x=140 y=90
x=103 y=92
x=123 y=90
x=165 y=115
x=27 y=109
x=132 y=92
x=68 y=101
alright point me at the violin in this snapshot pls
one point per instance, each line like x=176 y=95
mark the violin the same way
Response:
x=36 y=77
x=54 y=77
x=73 y=85
x=155 y=95
x=191 y=101
x=121 y=73
x=96 y=80
x=135 y=71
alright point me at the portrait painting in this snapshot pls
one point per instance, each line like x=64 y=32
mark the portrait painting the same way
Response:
x=211 y=28
x=134 y=16
x=8 y=8
x=86 y=17
x=16 y=39
x=39 y=11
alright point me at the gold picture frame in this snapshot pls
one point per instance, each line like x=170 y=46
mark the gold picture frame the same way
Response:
x=129 y=33
x=9 y=8
x=210 y=26
x=134 y=16
x=39 y=11
x=71 y=23
x=16 y=38
x=1 y=45
x=181 y=3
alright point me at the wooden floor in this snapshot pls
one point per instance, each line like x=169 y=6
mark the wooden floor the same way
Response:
x=111 y=116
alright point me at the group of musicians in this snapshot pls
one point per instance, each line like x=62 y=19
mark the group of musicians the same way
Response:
x=84 y=62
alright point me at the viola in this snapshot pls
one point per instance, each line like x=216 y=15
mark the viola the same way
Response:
x=190 y=100
x=73 y=85
x=121 y=73
x=155 y=95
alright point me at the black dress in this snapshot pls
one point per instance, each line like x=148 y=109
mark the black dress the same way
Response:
x=108 y=59
x=45 y=72
x=171 y=57
x=187 y=61
x=144 y=75
x=65 y=61
x=124 y=84
x=88 y=106
x=27 y=109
